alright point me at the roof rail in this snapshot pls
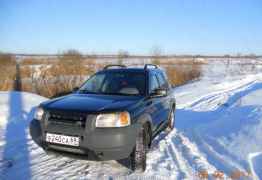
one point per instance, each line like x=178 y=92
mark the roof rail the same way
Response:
x=152 y=65
x=114 y=65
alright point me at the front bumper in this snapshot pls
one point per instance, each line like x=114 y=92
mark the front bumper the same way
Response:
x=95 y=143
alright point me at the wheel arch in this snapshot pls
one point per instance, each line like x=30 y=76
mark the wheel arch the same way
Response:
x=145 y=120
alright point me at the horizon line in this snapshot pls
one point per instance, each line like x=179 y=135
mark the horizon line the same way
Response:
x=98 y=55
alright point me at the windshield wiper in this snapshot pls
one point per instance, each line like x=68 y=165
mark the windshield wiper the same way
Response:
x=116 y=94
x=121 y=94
x=87 y=92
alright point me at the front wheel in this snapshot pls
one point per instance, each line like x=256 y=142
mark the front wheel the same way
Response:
x=171 y=121
x=138 y=156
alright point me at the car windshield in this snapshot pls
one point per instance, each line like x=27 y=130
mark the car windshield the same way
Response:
x=115 y=83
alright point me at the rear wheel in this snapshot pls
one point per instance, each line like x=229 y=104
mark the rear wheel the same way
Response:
x=138 y=156
x=171 y=121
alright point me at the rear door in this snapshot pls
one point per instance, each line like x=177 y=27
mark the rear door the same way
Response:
x=164 y=101
x=154 y=104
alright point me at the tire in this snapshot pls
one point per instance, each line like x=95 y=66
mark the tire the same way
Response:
x=138 y=156
x=171 y=121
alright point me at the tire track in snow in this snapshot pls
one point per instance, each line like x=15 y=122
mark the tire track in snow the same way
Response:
x=179 y=161
x=213 y=95
x=168 y=159
x=220 y=161
x=194 y=154
x=184 y=155
x=190 y=154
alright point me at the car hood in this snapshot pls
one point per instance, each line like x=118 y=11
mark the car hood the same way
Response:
x=92 y=103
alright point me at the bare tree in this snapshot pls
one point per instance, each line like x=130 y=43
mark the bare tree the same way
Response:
x=252 y=55
x=121 y=55
x=156 y=53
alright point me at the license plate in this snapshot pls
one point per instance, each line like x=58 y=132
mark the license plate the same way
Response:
x=62 y=139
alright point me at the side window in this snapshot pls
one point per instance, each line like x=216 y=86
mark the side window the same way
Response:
x=153 y=83
x=162 y=80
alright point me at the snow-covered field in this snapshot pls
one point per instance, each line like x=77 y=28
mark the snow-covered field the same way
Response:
x=218 y=133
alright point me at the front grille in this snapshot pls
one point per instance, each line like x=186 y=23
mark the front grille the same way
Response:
x=67 y=118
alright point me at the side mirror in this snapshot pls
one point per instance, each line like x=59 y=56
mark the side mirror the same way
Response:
x=75 y=89
x=159 y=93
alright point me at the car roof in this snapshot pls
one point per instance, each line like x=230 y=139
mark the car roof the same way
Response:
x=132 y=69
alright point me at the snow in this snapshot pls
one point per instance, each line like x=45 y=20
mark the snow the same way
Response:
x=218 y=129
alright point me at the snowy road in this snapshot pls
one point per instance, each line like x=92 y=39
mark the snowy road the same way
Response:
x=218 y=127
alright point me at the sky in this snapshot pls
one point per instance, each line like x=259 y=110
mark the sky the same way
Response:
x=207 y=27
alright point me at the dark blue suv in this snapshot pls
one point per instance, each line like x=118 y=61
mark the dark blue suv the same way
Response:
x=114 y=115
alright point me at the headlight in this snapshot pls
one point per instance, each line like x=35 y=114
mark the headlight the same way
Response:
x=121 y=119
x=39 y=113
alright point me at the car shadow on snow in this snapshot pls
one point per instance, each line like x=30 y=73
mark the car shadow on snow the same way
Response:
x=227 y=120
